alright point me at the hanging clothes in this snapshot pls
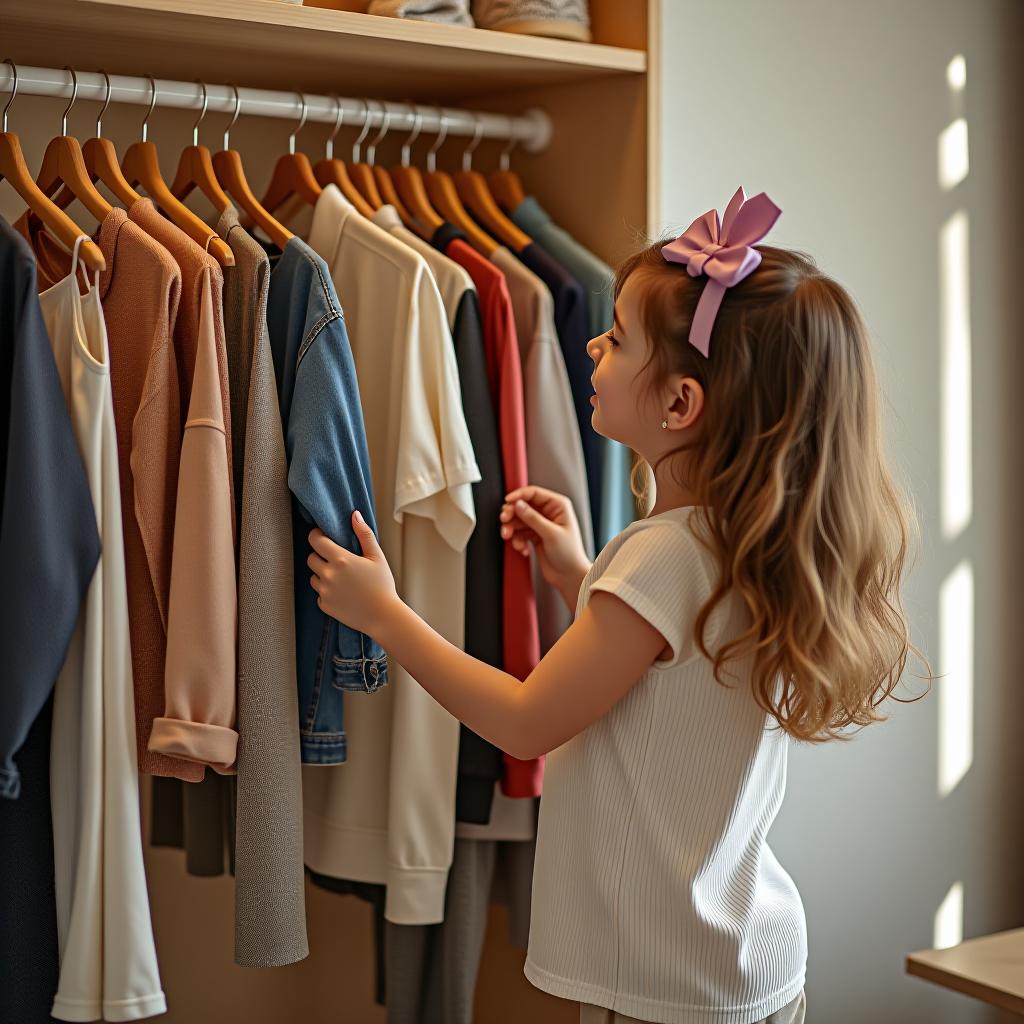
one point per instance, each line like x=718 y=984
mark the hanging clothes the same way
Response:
x=389 y=815
x=48 y=562
x=108 y=962
x=553 y=450
x=270 y=902
x=504 y=370
x=617 y=508
x=479 y=764
x=329 y=477
x=193 y=715
x=570 y=312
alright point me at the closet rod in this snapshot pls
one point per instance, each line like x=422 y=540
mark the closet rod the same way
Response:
x=532 y=129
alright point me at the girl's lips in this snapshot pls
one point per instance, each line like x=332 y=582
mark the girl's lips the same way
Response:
x=593 y=399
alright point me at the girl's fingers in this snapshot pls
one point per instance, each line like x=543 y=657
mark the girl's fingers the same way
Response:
x=316 y=563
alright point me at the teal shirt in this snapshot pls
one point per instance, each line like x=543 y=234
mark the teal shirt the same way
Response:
x=617 y=506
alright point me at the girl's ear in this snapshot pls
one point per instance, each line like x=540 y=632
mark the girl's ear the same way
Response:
x=686 y=403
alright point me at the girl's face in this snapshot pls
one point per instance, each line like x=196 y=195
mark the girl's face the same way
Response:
x=621 y=409
x=625 y=408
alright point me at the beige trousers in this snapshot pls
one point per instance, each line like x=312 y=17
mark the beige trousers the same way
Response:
x=793 y=1013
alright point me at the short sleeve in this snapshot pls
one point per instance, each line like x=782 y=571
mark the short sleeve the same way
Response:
x=661 y=571
x=436 y=463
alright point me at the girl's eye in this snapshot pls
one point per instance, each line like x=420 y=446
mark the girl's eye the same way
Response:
x=613 y=340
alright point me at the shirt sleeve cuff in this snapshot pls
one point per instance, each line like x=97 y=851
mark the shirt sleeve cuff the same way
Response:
x=214 y=745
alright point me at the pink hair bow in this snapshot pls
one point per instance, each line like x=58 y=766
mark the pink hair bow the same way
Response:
x=723 y=253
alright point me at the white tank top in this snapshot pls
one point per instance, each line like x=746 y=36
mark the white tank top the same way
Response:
x=655 y=893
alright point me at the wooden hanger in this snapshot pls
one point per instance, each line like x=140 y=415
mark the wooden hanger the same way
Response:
x=141 y=166
x=195 y=168
x=408 y=183
x=506 y=187
x=64 y=166
x=56 y=221
x=385 y=186
x=101 y=163
x=445 y=198
x=101 y=159
x=474 y=192
x=331 y=171
x=228 y=166
x=293 y=174
x=360 y=173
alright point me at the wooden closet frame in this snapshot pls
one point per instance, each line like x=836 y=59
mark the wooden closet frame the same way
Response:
x=598 y=178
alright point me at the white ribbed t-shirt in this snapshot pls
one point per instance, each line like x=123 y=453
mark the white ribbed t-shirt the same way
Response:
x=655 y=893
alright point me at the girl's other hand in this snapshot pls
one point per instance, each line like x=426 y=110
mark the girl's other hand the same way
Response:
x=547 y=520
x=357 y=590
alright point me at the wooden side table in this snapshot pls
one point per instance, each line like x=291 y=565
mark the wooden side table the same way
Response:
x=990 y=968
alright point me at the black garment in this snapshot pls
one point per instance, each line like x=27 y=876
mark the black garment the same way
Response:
x=49 y=540
x=29 y=964
x=573 y=335
x=376 y=896
x=480 y=763
x=446 y=234
x=197 y=817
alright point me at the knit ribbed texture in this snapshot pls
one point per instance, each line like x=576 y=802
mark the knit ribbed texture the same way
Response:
x=270 y=904
x=655 y=893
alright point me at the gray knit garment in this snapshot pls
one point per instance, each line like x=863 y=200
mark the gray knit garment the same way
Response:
x=270 y=900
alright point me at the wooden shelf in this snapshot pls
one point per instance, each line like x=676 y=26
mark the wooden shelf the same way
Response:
x=281 y=45
x=990 y=968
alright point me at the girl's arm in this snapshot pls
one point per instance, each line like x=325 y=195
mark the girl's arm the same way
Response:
x=591 y=667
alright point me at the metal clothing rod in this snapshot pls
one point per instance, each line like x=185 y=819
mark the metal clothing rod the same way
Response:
x=532 y=129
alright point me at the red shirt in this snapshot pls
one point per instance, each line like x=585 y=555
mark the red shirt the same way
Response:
x=520 y=636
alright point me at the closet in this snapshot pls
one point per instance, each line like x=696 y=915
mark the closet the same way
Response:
x=597 y=171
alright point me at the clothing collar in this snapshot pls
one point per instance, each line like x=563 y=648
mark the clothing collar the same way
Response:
x=227 y=222
x=53 y=264
x=330 y=215
x=387 y=218
x=531 y=216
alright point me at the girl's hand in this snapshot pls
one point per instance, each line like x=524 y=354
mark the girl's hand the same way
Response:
x=357 y=590
x=547 y=520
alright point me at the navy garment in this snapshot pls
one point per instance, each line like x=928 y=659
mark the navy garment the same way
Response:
x=480 y=762
x=49 y=540
x=573 y=334
x=329 y=477
x=29 y=959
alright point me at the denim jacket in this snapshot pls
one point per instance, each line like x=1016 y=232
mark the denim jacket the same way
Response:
x=329 y=477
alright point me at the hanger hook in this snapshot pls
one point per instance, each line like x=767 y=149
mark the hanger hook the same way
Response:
x=152 y=105
x=302 y=121
x=357 y=145
x=103 y=109
x=417 y=126
x=385 y=120
x=234 y=116
x=71 y=103
x=503 y=161
x=14 y=89
x=339 y=116
x=439 y=142
x=467 y=153
x=202 y=114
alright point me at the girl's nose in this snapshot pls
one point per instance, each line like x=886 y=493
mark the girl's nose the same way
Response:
x=595 y=349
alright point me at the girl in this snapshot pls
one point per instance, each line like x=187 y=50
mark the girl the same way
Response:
x=758 y=600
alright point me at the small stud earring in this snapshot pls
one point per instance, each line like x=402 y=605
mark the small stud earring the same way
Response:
x=664 y=424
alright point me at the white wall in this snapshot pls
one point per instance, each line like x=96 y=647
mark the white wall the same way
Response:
x=835 y=109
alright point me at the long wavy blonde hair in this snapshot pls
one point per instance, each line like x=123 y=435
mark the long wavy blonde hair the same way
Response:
x=800 y=508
